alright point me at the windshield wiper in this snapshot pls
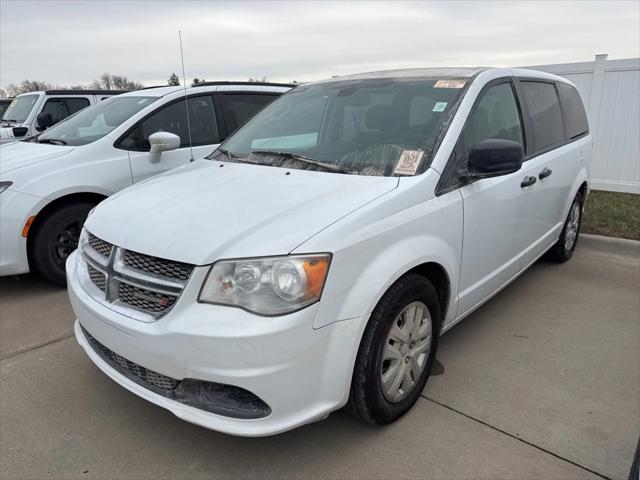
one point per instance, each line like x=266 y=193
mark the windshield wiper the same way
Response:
x=332 y=167
x=53 y=141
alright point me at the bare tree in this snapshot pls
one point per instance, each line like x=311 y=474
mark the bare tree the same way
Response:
x=106 y=81
x=27 y=86
x=173 y=80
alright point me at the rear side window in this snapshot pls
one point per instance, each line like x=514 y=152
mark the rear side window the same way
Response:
x=576 y=123
x=237 y=108
x=173 y=118
x=547 y=128
x=61 y=108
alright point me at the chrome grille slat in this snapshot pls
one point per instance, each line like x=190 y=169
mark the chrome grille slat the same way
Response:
x=147 y=284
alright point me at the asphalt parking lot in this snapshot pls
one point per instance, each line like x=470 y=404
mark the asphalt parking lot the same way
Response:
x=541 y=382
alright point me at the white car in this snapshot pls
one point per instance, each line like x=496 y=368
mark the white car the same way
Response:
x=32 y=113
x=314 y=259
x=49 y=183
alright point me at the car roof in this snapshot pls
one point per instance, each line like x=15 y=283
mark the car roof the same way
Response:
x=161 y=91
x=447 y=72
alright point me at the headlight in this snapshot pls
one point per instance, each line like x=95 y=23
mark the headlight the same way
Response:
x=267 y=286
x=4 y=186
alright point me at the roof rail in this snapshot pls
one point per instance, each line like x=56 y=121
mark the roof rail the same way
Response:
x=226 y=82
x=84 y=92
x=154 y=86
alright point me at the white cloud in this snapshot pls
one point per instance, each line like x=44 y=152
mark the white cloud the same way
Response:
x=73 y=42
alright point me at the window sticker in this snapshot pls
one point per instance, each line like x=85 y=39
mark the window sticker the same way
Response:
x=439 y=107
x=450 y=84
x=409 y=162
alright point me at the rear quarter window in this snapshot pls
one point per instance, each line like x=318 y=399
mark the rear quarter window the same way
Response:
x=575 y=117
x=543 y=106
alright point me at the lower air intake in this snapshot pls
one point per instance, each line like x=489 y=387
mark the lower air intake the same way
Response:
x=218 y=398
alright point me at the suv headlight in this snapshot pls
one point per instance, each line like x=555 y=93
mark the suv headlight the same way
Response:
x=267 y=286
x=4 y=186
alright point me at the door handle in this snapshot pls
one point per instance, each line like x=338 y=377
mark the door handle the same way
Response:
x=528 y=181
x=546 y=172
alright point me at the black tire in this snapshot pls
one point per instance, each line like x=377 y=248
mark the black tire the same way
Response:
x=55 y=238
x=560 y=253
x=367 y=401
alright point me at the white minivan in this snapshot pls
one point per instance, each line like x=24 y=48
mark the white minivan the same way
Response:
x=315 y=258
x=50 y=182
x=32 y=113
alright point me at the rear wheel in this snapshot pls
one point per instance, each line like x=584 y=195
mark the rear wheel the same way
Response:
x=566 y=244
x=396 y=352
x=56 y=238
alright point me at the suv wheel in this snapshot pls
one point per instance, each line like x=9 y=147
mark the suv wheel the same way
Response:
x=396 y=352
x=56 y=238
x=566 y=244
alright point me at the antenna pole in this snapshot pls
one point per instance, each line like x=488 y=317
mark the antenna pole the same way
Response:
x=186 y=102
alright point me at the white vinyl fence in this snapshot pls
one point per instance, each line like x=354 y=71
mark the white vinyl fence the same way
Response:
x=611 y=92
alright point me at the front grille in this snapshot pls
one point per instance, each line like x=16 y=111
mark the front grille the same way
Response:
x=97 y=277
x=130 y=280
x=218 y=398
x=143 y=299
x=100 y=246
x=158 y=266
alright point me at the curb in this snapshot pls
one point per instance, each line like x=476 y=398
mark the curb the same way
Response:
x=617 y=246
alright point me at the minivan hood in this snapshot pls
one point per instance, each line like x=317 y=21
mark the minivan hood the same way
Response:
x=20 y=154
x=210 y=210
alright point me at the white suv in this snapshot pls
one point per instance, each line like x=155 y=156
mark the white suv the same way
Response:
x=314 y=259
x=49 y=183
x=33 y=112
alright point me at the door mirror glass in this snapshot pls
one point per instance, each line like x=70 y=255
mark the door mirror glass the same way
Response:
x=44 y=120
x=494 y=157
x=163 y=142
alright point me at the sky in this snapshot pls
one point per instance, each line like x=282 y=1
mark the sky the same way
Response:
x=73 y=42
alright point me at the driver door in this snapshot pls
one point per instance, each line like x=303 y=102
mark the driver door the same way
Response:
x=172 y=118
x=499 y=212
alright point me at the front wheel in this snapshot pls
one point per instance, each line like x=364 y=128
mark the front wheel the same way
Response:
x=397 y=352
x=56 y=238
x=566 y=244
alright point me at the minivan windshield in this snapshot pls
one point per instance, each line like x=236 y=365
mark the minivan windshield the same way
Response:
x=94 y=122
x=381 y=127
x=20 y=108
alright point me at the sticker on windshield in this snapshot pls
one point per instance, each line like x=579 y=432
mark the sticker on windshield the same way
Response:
x=439 y=107
x=450 y=84
x=409 y=162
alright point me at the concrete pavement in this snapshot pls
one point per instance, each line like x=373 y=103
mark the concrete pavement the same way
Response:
x=541 y=382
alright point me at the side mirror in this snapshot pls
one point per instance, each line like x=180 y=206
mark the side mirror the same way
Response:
x=163 y=142
x=44 y=120
x=20 y=131
x=494 y=157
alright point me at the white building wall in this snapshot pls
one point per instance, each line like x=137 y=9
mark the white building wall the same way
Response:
x=611 y=92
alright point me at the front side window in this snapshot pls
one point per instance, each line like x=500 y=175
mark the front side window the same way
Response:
x=575 y=117
x=61 y=108
x=547 y=128
x=20 y=108
x=360 y=127
x=494 y=116
x=95 y=122
x=173 y=118
x=237 y=108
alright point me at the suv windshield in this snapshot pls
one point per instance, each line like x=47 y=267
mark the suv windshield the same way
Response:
x=94 y=122
x=381 y=127
x=20 y=108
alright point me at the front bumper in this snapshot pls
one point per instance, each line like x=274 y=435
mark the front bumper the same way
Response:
x=15 y=209
x=302 y=374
